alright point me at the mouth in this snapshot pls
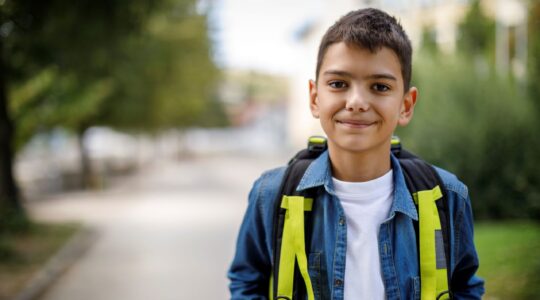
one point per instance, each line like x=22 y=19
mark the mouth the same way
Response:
x=355 y=123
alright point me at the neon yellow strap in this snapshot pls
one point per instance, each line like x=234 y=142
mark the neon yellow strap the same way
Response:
x=442 y=283
x=308 y=202
x=293 y=246
x=433 y=281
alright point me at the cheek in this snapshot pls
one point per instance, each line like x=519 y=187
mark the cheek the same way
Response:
x=390 y=108
x=330 y=110
x=331 y=105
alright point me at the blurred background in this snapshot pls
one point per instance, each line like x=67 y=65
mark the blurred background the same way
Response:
x=136 y=128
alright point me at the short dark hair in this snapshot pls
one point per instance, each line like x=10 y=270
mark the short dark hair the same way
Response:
x=372 y=29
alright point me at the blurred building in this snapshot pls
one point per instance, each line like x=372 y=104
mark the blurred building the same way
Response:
x=441 y=17
x=255 y=104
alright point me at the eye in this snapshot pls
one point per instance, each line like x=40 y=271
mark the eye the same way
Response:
x=380 y=87
x=337 y=84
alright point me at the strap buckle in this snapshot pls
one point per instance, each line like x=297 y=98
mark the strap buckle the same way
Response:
x=316 y=144
x=395 y=145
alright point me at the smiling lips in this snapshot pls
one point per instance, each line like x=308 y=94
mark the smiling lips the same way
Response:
x=355 y=123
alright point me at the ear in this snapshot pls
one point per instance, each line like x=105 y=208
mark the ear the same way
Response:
x=407 y=109
x=313 y=99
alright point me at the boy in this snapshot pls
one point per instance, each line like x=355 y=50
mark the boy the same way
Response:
x=363 y=240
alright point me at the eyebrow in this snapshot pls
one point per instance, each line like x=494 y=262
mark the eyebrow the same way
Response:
x=372 y=76
x=337 y=72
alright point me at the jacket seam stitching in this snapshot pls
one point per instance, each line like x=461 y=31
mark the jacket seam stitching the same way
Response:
x=460 y=191
x=260 y=207
x=335 y=254
x=459 y=220
x=393 y=263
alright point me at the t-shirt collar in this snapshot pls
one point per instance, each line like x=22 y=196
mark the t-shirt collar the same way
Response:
x=319 y=174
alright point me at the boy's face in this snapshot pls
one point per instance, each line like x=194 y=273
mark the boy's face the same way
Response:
x=359 y=98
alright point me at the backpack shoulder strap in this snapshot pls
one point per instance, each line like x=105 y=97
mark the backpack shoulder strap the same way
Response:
x=427 y=190
x=296 y=168
x=298 y=165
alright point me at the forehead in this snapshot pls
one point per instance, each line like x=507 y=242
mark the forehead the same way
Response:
x=361 y=61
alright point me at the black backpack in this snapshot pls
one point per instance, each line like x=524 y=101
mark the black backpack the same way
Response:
x=419 y=176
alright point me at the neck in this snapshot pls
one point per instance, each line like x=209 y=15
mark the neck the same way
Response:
x=359 y=167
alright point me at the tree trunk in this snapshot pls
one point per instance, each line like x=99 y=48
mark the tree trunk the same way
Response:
x=10 y=205
x=88 y=179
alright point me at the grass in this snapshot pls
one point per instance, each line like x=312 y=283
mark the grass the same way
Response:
x=24 y=252
x=509 y=260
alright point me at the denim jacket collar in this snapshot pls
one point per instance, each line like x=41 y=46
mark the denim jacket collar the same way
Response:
x=319 y=173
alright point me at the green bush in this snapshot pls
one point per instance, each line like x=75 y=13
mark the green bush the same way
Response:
x=483 y=128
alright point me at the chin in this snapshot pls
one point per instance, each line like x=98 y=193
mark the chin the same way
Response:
x=353 y=146
x=357 y=145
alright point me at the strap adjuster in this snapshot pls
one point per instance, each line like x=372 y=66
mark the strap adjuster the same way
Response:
x=316 y=144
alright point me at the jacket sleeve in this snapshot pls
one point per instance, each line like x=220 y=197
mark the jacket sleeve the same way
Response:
x=465 y=284
x=249 y=273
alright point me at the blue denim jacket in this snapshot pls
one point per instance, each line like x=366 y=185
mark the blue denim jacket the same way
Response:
x=250 y=270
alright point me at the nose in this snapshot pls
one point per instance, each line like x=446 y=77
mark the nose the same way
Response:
x=357 y=101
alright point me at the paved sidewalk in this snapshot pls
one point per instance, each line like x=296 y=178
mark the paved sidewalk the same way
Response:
x=166 y=233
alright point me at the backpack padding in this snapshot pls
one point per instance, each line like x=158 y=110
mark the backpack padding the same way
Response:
x=419 y=175
x=426 y=178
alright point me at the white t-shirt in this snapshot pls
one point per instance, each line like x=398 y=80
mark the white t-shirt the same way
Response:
x=366 y=205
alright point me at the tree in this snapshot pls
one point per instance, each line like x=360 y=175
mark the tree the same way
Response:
x=141 y=65
x=533 y=77
x=71 y=46
x=477 y=33
x=169 y=81
x=429 y=42
x=10 y=207
x=159 y=74
x=534 y=52
x=479 y=125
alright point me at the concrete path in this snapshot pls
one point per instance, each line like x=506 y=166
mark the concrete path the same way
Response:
x=167 y=233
